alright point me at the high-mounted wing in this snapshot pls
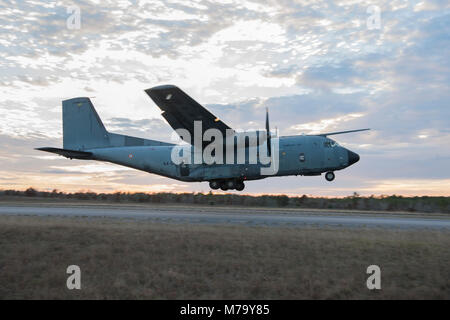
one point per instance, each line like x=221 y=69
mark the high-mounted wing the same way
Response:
x=180 y=110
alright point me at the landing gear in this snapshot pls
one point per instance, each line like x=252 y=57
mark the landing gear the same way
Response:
x=329 y=176
x=214 y=185
x=240 y=186
x=225 y=185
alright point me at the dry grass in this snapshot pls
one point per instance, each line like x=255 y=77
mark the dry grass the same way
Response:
x=123 y=259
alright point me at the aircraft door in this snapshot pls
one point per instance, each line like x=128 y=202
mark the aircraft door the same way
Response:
x=315 y=155
x=329 y=154
x=184 y=169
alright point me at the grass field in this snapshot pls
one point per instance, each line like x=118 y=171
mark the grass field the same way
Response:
x=122 y=259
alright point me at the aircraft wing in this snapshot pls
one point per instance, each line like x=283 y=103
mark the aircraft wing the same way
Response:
x=180 y=110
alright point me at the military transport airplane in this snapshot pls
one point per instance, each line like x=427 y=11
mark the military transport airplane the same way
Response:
x=85 y=138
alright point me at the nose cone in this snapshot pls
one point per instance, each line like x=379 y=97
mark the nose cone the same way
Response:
x=352 y=157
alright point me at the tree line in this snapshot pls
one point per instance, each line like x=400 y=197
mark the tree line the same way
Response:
x=354 y=201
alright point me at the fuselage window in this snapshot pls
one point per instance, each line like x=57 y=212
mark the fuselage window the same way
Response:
x=302 y=157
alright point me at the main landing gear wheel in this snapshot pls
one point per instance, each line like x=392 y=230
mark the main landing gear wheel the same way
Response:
x=230 y=184
x=329 y=176
x=214 y=185
x=225 y=185
x=240 y=186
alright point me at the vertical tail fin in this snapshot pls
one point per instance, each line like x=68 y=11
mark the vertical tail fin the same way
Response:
x=82 y=127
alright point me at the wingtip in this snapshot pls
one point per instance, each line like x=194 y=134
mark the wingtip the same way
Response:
x=47 y=149
x=161 y=87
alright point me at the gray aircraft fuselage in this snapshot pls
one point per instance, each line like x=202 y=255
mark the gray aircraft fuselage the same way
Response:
x=298 y=155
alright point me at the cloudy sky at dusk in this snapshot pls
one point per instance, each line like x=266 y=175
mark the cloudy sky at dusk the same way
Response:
x=319 y=66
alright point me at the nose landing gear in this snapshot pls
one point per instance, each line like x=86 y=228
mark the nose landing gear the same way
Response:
x=329 y=176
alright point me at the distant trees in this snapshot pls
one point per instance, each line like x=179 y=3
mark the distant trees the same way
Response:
x=30 y=192
x=282 y=201
x=355 y=201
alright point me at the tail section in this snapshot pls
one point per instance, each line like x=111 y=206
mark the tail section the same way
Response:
x=83 y=131
x=82 y=127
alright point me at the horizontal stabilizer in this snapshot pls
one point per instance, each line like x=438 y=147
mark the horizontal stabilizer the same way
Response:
x=339 y=132
x=72 y=154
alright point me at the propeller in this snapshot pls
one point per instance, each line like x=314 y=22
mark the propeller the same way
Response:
x=269 y=145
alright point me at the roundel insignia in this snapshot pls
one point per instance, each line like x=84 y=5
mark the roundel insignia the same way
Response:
x=130 y=156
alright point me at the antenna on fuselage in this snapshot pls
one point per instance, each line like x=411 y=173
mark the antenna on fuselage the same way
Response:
x=269 y=146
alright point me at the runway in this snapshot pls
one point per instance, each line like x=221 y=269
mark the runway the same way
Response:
x=235 y=216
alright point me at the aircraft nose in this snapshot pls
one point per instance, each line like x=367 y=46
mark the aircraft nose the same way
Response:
x=352 y=157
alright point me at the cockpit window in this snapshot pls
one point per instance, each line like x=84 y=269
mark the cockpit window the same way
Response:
x=330 y=144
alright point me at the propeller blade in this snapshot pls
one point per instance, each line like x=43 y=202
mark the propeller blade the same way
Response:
x=340 y=132
x=269 y=145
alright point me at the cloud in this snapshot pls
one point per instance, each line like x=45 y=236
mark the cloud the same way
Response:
x=315 y=65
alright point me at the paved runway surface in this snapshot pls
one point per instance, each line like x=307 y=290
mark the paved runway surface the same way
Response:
x=250 y=216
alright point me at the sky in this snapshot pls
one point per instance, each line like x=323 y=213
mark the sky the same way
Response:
x=319 y=66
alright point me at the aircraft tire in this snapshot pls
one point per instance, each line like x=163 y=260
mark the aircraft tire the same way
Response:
x=230 y=184
x=223 y=186
x=240 y=186
x=329 y=176
x=214 y=185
